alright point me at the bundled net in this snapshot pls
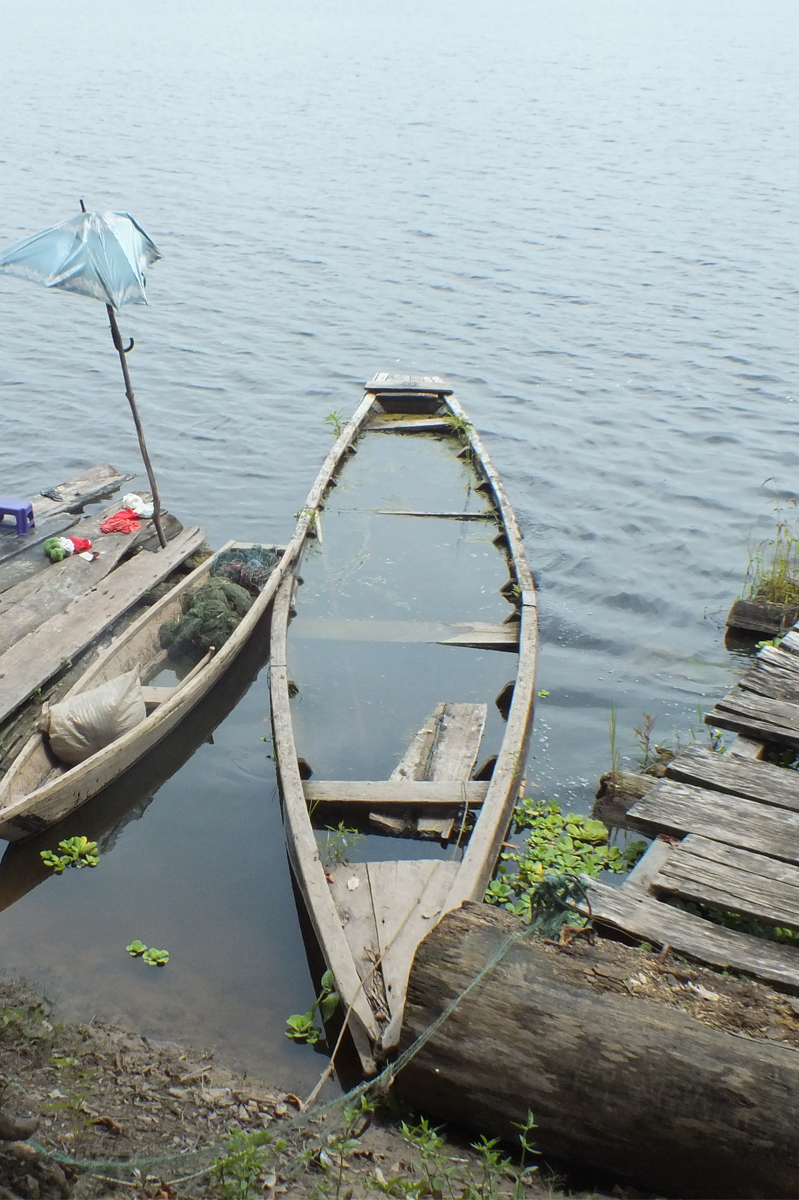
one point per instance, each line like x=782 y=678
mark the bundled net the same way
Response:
x=210 y=614
x=250 y=568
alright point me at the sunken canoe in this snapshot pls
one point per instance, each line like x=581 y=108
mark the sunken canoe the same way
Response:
x=38 y=789
x=402 y=695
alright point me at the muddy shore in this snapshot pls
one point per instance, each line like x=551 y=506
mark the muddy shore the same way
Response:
x=119 y=1114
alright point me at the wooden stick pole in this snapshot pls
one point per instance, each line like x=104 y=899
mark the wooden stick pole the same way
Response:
x=132 y=401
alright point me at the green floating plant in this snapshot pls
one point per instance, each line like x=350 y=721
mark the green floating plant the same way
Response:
x=153 y=957
x=156 y=958
x=557 y=843
x=302 y=1027
x=75 y=852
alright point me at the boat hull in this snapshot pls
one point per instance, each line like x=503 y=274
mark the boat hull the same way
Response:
x=368 y=924
x=37 y=791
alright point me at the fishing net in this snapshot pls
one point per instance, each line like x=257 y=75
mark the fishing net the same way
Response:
x=210 y=614
x=250 y=568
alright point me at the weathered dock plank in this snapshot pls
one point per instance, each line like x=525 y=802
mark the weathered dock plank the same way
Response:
x=758 y=717
x=44 y=652
x=737 y=880
x=680 y=808
x=94 y=485
x=775 y=673
x=749 y=778
x=661 y=924
x=33 y=601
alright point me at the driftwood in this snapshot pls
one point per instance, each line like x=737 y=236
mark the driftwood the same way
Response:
x=619 y=1084
x=760 y=616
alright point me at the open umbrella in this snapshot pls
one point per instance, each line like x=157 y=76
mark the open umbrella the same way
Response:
x=102 y=255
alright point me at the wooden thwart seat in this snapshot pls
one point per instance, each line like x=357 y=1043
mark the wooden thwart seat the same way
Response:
x=422 y=793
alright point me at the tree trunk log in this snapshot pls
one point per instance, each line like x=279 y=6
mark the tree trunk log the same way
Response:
x=619 y=1084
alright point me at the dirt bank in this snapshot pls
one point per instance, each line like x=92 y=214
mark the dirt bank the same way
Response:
x=121 y=1115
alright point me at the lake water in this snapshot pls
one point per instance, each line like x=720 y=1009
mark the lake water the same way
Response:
x=583 y=215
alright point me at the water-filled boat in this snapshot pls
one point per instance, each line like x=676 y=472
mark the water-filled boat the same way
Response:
x=39 y=789
x=402 y=689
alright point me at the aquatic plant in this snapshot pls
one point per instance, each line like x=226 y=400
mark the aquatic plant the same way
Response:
x=302 y=1027
x=156 y=958
x=75 y=852
x=335 y=420
x=772 y=573
x=153 y=957
x=340 y=841
x=556 y=844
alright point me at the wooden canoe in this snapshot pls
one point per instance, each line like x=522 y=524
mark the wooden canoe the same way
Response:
x=413 y=641
x=38 y=790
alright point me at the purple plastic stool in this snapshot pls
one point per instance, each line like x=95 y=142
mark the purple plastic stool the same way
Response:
x=21 y=510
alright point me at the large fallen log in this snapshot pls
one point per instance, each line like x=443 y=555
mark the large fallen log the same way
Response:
x=623 y=1085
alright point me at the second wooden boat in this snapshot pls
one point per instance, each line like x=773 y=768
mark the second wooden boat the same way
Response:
x=38 y=789
x=402 y=693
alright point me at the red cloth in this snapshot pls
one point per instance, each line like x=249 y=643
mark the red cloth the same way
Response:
x=124 y=521
x=81 y=544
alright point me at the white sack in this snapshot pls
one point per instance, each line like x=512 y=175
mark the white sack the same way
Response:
x=83 y=724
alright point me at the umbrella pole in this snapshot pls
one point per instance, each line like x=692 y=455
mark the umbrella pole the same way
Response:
x=132 y=401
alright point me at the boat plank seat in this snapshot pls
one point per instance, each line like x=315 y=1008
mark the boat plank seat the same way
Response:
x=444 y=750
x=415 y=794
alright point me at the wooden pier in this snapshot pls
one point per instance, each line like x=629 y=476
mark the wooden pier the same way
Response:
x=726 y=830
x=54 y=614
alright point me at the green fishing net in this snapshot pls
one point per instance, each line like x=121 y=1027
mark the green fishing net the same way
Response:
x=250 y=567
x=210 y=614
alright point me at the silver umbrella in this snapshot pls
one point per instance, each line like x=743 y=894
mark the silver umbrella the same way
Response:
x=102 y=255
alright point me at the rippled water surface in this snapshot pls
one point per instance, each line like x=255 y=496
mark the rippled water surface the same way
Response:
x=584 y=215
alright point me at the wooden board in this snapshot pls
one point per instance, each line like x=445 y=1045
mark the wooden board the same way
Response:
x=757 y=717
x=27 y=605
x=758 y=616
x=679 y=808
x=415 y=794
x=660 y=924
x=386 y=381
x=95 y=484
x=445 y=749
x=349 y=887
x=738 y=776
x=475 y=634
x=21 y=556
x=408 y=898
x=391 y=424
x=712 y=873
x=775 y=673
x=29 y=663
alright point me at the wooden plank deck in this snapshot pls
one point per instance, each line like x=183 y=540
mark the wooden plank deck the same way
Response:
x=45 y=651
x=727 y=835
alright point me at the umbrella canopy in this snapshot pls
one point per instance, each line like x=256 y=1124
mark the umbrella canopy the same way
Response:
x=102 y=255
